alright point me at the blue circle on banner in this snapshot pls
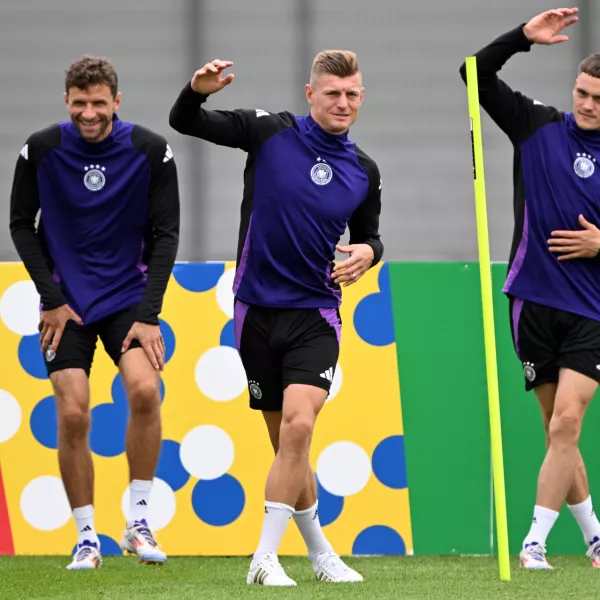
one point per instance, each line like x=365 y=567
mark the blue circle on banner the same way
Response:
x=379 y=539
x=109 y=425
x=389 y=462
x=198 y=277
x=228 y=335
x=330 y=506
x=220 y=501
x=170 y=469
x=373 y=317
x=169 y=339
x=31 y=357
x=43 y=423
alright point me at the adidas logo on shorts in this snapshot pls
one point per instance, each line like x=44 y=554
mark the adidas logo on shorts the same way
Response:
x=328 y=374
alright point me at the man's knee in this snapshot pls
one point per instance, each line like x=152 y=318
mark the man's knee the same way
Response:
x=71 y=391
x=143 y=396
x=301 y=405
x=74 y=421
x=296 y=430
x=564 y=429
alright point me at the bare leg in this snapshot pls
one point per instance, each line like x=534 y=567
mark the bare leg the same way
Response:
x=563 y=408
x=72 y=393
x=142 y=384
x=288 y=475
x=144 y=428
x=563 y=460
x=292 y=485
x=580 y=489
x=308 y=495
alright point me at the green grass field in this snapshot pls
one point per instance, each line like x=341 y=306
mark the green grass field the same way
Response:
x=224 y=578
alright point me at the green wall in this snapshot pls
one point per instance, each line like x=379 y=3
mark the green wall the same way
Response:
x=439 y=338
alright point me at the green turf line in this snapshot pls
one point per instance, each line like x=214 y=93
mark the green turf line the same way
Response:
x=225 y=579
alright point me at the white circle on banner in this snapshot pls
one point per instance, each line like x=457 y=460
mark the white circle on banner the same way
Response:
x=10 y=416
x=220 y=374
x=207 y=452
x=20 y=308
x=344 y=468
x=225 y=292
x=162 y=505
x=44 y=503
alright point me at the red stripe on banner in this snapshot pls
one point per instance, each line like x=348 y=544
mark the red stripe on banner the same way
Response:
x=6 y=542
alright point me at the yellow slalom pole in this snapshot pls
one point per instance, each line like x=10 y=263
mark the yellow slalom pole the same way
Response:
x=488 y=319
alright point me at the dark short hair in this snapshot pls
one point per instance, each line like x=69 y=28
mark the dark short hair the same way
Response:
x=342 y=63
x=91 y=70
x=591 y=65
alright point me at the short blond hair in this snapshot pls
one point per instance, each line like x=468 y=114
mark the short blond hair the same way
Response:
x=342 y=63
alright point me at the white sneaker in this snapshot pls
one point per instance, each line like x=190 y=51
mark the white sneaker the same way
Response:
x=594 y=554
x=87 y=556
x=139 y=539
x=266 y=570
x=330 y=567
x=533 y=556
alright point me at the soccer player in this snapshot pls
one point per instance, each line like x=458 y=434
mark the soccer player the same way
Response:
x=553 y=281
x=100 y=258
x=304 y=182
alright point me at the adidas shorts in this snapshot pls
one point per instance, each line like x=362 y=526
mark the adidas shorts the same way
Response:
x=282 y=346
x=547 y=339
x=78 y=343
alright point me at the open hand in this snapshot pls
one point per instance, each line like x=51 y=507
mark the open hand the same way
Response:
x=208 y=80
x=543 y=28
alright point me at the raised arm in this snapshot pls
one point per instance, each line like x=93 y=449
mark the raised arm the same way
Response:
x=241 y=128
x=516 y=114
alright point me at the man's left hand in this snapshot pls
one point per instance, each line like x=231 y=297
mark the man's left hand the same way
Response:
x=576 y=244
x=354 y=267
x=150 y=337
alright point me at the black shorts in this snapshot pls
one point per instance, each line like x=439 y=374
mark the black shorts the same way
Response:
x=548 y=339
x=78 y=343
x=282 y=346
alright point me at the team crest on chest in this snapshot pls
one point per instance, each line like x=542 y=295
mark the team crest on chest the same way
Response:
x=584 y=165
x=94 y=178
x=321 y=173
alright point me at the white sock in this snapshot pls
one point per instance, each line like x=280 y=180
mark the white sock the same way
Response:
x=310 y=528
x=139 y=497
x=84 y=519
x=277 y=517
x=543 y=521
x=586 y=518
